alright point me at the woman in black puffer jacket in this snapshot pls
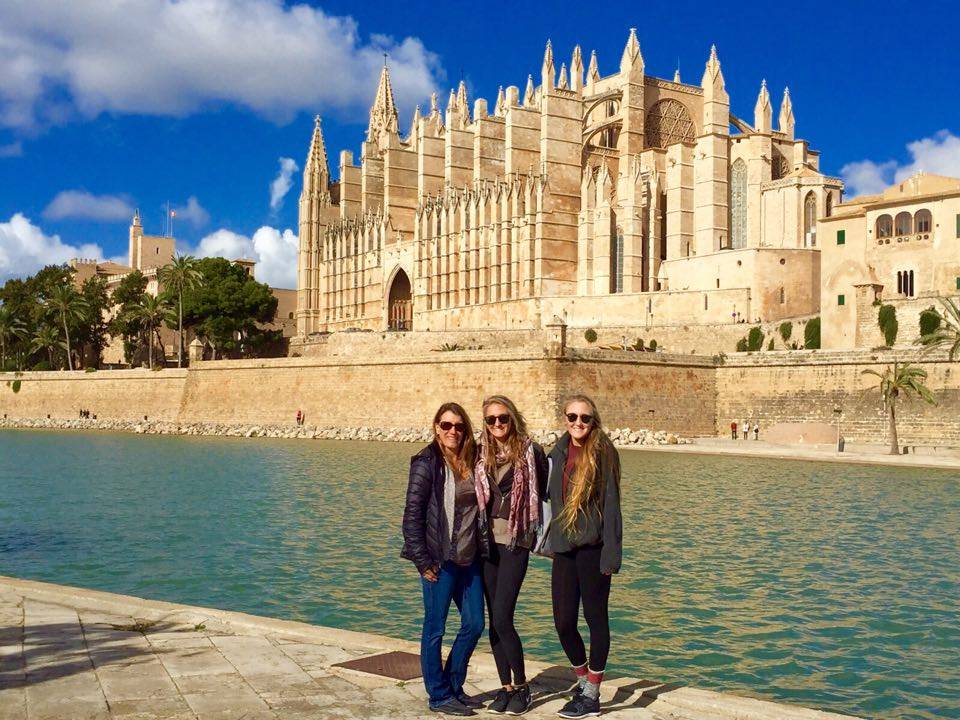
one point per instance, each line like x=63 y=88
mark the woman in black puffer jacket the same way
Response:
x=446 y=536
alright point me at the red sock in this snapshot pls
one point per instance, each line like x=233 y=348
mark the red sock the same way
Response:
x=595 y=677
x=581 y=671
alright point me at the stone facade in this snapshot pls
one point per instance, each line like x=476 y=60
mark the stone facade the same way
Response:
x=617 y=200
x=901 y=247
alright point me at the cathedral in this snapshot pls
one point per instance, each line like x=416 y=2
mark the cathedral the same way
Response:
x=620 y=200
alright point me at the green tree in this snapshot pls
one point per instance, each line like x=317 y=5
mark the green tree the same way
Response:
x=128 y=327
x=151 y=312
x=755 y=339
x=786 y=331
x=929 y=321
x=69 y=307
x=947 y=331
x=895 y=381
x=47 y=340
x=742 y=345
x=811 y=334
x=887 y=320
x=177 y=277
x=228 y=308
x=11 y=331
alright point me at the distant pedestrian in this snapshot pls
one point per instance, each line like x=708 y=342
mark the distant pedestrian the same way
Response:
x=733 y=429
x=299 y=417
x=746 y=429
x=756 y=430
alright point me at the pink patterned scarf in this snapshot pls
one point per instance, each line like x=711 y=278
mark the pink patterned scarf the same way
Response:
x=524 y=495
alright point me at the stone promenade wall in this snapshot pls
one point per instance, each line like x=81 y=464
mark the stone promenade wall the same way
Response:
x=688 y=395
x=128 y=394
x=805 y=386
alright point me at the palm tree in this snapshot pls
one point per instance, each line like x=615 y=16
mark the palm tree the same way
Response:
x=179 y=275
x=69 y=305
x=153 y=312
x=47 y=338
x=897 y=380
x=948 y=333
x=10 y=328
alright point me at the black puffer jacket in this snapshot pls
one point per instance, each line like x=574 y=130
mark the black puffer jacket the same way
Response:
x=426 y=535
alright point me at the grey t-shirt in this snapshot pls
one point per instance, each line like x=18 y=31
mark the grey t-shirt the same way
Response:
x=463 y=536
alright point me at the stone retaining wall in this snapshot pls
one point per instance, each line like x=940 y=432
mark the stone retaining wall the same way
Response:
x=683 y=395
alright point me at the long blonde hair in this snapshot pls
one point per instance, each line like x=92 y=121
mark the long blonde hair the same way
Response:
x=514 y=441
x=586 y=483
x=462 y=460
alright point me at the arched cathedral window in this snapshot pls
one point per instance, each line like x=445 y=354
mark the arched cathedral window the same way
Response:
x=738 y=204
x=810 y=220
x=668 y=123
x=616 y=261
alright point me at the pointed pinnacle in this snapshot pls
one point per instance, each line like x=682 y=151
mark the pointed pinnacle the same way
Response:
x=548 y=54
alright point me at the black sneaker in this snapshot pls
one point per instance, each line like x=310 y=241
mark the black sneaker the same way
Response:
x=500 y=702
x=580 y=707
x=470 y=702
x=452 y=706
x=520 y=702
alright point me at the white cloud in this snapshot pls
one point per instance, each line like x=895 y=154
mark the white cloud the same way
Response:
x=282 y=182
x=193 y=212
x=174 y=57
x=14 y=149
x=937 y=155
x=81 y=205
x=24 y=248
x=275 y=252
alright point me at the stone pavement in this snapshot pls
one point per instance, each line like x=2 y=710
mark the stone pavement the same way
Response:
x=73 y=654
x=853 y=454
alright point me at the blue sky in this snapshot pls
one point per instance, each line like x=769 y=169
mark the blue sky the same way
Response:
x=102 y=111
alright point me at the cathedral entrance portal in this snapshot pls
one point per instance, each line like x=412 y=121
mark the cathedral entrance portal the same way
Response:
x=400 y=303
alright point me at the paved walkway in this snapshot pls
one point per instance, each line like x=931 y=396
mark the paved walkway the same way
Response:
x=854 y=454
x=73 y=654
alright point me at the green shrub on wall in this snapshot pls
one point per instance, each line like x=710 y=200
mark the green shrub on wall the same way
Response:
x=811 y=335
x=887 y=320
x=742 y=345
x=786 y=330
x=770 y=344
x=755 y=339
x=638 y=345
x=590 y=335
x=929 y=321
x=653 y=346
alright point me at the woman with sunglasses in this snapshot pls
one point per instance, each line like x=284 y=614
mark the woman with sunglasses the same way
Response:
x=586 y=537
x=445 y=535
x=511 y=476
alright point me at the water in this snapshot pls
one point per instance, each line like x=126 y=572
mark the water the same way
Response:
x=832 y=586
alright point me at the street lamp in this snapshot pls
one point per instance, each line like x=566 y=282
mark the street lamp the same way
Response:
x=838 y=411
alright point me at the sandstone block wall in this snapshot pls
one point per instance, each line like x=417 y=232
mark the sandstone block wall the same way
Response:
x=129 y=394
x=804 y=387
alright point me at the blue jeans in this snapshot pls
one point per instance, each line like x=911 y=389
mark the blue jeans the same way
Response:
x=464 y=586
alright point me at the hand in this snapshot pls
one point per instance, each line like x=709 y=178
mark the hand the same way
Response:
x=430 y=575
x=606 y=572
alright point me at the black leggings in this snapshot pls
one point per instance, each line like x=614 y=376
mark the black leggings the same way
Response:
x=576 y=576
x=503 y=575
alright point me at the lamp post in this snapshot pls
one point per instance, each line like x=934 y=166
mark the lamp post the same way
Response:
x=838 y=411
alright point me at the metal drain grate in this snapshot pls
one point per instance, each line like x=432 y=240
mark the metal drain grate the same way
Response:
x=397 y=665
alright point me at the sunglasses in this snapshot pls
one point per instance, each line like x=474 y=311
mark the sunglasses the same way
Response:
x=446 y=425
x=585 y=419
x=493 y=419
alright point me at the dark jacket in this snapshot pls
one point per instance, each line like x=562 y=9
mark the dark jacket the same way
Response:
x=426 y=535
x=601 y=524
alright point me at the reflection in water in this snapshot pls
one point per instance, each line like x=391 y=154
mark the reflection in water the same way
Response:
x=826 y=585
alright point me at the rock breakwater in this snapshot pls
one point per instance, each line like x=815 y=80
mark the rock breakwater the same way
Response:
x=622 y=437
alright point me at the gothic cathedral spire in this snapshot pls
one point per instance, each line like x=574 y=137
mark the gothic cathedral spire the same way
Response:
x=787 y=122
x=631 y=53
x=383 y=114
x=763 y=111
x=315 y=171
